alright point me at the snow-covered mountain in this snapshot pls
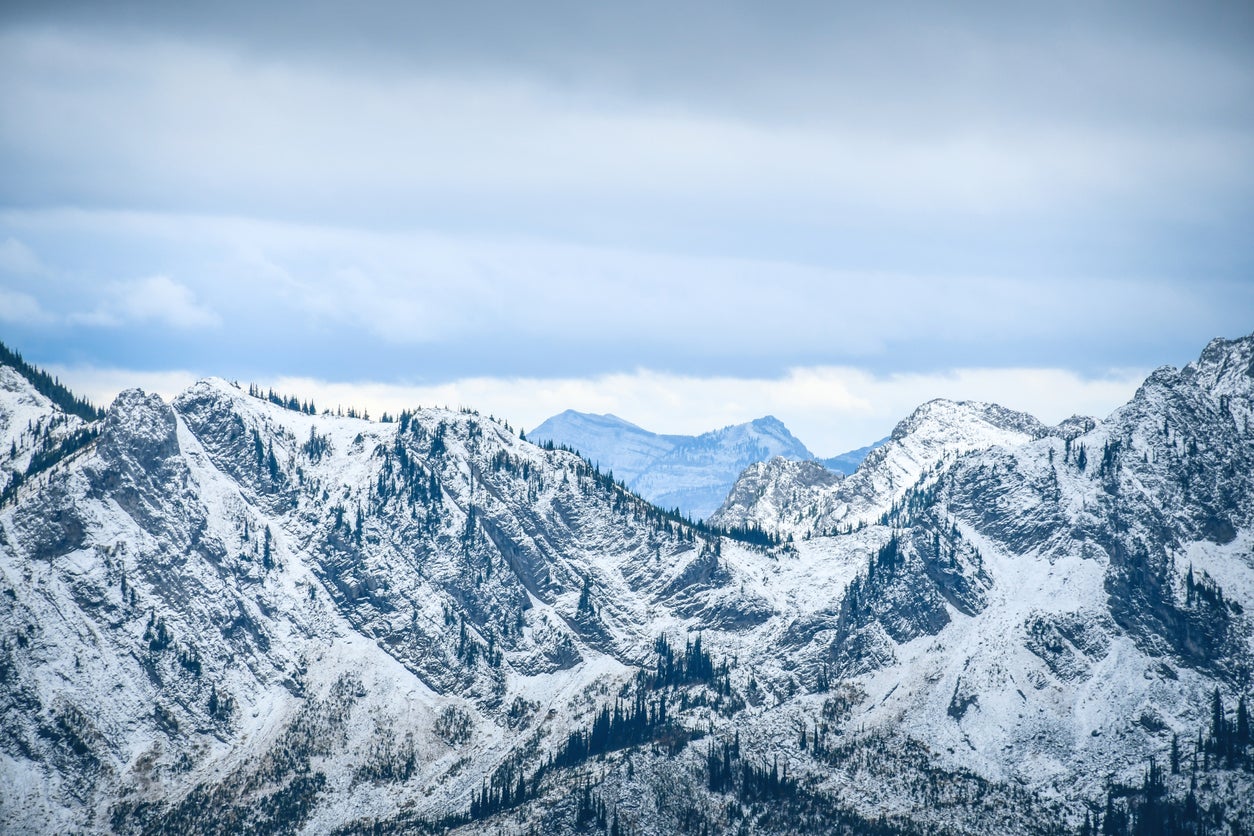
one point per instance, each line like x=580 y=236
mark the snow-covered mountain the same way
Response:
x=222 y=615
x=608 y=442
x=847 y=463
x=39 y=416
x=214 y=583
x=691 y=473
x=798 y=501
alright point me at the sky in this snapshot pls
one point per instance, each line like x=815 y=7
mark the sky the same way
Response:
x=686 y=214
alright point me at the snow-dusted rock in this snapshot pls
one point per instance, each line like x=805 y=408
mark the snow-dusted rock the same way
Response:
x=221 y=615
x=934 y=434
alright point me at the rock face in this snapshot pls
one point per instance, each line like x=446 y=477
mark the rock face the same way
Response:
x=220 y=615
x=691 y=473
x=765 y=490
x=933 y=435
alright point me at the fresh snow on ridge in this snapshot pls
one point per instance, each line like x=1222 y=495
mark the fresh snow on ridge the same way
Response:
x=221 y=615
x=29 y=423
x=798 y=500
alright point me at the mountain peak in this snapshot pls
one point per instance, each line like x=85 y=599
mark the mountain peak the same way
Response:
x=772 y=426
x=1225 y=367
x=934 y=432
x=946 y=413
x=692 y=473
x=140 y=426
x=1221 y=349
x=575 y=418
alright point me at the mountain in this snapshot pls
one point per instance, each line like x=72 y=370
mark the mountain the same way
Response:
x=221 y=615
x=608 y=441
x=801 y=501
x=847 y=463
x=217 y=590
x=34 y=422
x=691 y=473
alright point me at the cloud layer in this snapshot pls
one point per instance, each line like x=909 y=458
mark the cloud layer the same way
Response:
x=570 y=192
x=341 y=304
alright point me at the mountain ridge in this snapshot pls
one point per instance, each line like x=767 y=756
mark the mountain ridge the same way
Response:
x=933 y=433
x=220 y=614
x=691 y=473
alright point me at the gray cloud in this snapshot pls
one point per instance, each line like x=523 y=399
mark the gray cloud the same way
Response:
x=22 y=309
x=483 y=305
x=705 y=188
x=17 y=259
x=989 y=141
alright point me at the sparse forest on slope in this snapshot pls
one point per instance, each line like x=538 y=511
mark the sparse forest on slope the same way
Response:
x=233 y=614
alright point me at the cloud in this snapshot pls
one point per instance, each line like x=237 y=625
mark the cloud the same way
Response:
x=157 y=299
x=19 y=259
x=711 y=190
x=22 y=309
x=101 y=385
x=403 y=304
x=212 y=127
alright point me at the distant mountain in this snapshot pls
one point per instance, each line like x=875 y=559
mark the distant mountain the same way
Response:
x=608 y=441
x=847 y=463
x=692 y=473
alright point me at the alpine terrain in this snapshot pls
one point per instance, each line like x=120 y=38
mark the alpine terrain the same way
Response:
x=231 y=613
x=691 y=473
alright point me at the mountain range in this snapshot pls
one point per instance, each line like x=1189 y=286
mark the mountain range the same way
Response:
x=225 y=614
x=690 y=473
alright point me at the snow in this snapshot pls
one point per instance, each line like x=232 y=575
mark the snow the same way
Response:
x=692 y=473
x=353 y=638
x=937 y=432
x=29 y=421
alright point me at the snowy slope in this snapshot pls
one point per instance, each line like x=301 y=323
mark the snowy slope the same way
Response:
x=936 y=432
x=220 y=615
x=187 y=589
x=774 y=495
x=29 y=424
x=1088 y=629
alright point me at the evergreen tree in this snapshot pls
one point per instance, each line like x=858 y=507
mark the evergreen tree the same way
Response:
x=50 y=387
x=1218 y=726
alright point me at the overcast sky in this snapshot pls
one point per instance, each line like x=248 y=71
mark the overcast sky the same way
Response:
x=686 y=214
